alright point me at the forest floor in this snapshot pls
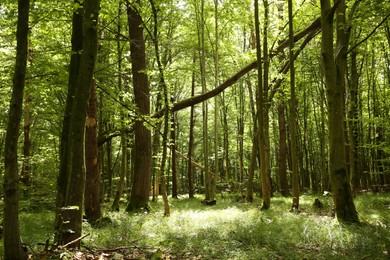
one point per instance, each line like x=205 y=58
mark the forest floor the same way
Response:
x=231 y=229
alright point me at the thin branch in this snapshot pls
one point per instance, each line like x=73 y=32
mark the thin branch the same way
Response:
x=371 y=33
x=73 y=241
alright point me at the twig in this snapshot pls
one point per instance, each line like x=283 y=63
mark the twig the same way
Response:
x=73 y=241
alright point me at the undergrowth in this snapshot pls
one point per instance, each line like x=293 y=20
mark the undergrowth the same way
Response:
x=231 y=230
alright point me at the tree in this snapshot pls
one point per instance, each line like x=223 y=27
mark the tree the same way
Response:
x=12 y=243
x=74 y=66
x=260 y=106
x=342 y=196
x=92 y=184
x=293 y=116
x=139 y=197
x=71 y=226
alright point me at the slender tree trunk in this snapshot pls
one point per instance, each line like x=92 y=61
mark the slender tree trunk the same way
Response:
x=214 y=178
x=342 y=196
x=190 y=173
x=202 y=63
x=164 y=87
x=265 y=181
x=26 y=167
x=139 y=197
x=173 y=158
x=255 y=146
x=283 y=181
x=353 y=124
x=293 y=117
x=74 y=67
x=12 y=242
x=124 y=141
x=92 y=184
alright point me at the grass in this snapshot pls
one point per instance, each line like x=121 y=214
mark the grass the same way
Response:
x=231 y=230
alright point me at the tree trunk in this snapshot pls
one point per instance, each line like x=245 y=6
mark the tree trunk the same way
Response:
x=26 y=167
x=73 y=207
x=12 y=242
x=173 y=158
x=283 y=181
x=74 y=67
x=190 y=172
x=261 y=108
x=353 y=125
x=139 y=197
x=342 y=196
x=92 y=184
x=293 y=117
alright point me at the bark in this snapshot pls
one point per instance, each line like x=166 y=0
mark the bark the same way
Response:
x=139 y=197
x=342 y=196
x=353 y=125
x=265 y=182
x=124 y=141
x=74 y=66
x=255 y=146
x=92 y=184
x=216 y=105
x=190 y=172
x=293 y=117
x=167 y=128
x=12 y=243
x=173 y=156
x=26 y=167
x=71 y=226
x=202 y=64
x=282 y=162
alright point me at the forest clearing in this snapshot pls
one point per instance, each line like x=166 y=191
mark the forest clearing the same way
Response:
x=195 y=129
x=230 y=229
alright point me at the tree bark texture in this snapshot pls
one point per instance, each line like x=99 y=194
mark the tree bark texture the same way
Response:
x=141 y=185
x=74 y=66
x=92 y=184
x=71 y=226
x=12 y=242
x=342 y=196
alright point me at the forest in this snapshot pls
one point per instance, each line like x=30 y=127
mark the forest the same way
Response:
x=195 y=129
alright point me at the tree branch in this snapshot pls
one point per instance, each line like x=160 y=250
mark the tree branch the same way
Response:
x=371 y=33
x=316 y=25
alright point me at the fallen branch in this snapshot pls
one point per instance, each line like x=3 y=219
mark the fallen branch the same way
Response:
x=73 y=241
x=316 y=25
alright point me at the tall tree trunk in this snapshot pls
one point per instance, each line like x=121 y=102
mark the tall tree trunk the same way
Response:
x=12 y=242
x=293 y=116
x=71 y=226
x=190 y=172
x=124 y=141
x=202 y=63
x=214 y=178
x=164 y=87
x=92 y=184
x=342 y=196
x=283 y=181
x=74 y=67
x=139 y=197
x=26 y=167
x=173 y=158
x=353 y=125
x=261 y=108
x=282 y=151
